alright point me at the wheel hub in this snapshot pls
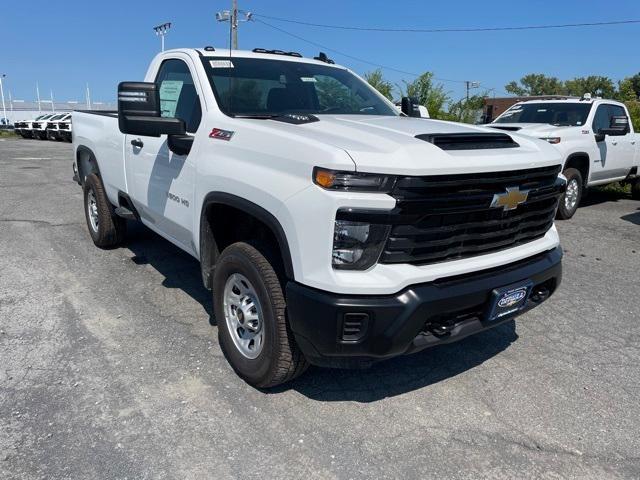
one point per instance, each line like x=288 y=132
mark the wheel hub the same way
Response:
x=243 y=315
x=92 y=208
x=571 y=194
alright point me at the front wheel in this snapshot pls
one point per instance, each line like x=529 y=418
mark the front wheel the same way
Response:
x=571 y=199
x=249 y=307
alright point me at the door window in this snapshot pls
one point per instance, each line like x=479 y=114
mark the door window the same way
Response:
x=178 y=96
x=601 y=119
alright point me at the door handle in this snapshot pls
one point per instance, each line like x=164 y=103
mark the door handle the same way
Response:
x=137 y=143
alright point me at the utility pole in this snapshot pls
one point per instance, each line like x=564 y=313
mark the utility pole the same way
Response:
x=4 y=109
x=234 y=24
x=53 y=107
x=10 y=101
x=38 y=94
x=470 y=84
x=88 y=95
x=161 y=31
x=231 y=16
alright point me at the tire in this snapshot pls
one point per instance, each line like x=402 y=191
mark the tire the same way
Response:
x=244 y=278
x=572 y=196
x=105 y=227
x=635 y=189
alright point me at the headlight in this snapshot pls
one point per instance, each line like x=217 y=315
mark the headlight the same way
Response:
x=357 y=245
x=552 y=140
x=353 y=181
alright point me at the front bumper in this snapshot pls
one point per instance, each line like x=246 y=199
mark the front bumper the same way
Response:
x=356 y=330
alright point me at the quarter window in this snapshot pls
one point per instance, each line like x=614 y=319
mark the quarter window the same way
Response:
x=178 y=95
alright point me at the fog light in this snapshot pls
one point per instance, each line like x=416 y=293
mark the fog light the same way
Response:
x=357 y=245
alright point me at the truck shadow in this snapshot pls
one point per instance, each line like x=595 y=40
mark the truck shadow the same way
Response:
x=385 y=379
x=403 y=374
x=180 y=269
x=632 y=217
x=597 y=196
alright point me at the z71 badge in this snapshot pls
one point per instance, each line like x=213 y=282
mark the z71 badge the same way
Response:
x=221 y=134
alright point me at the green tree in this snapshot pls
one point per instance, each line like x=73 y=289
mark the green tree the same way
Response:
x=377 y=81
x=631 y=83
x=594 y=84
x=431 y=95
x=536 y=84
x=467 y=110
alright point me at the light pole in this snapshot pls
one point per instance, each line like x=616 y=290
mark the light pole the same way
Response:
x=231 y=16
x=161 y=31
x=4 y=109
x=38 y=95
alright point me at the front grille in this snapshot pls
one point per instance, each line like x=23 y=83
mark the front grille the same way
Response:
x=63 y=126
x=449 y=217
x=35 y=125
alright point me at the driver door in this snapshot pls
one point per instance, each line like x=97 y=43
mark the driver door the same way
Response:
x=161 y=182
x=616 y=151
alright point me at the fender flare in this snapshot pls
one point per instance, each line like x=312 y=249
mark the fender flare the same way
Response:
x=83 y=155
x=208 y=249
x=573 y=155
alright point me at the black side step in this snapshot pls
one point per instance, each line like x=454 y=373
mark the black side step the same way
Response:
x=124 y=212
x=126 y=208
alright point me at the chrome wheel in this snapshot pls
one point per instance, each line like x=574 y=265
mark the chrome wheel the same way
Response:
x=92 y=210
x=571 y=195
x=243 y=315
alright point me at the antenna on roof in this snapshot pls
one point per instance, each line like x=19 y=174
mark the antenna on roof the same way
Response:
x=323 y=58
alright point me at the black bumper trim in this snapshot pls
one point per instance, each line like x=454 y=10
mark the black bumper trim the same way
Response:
x=417 y=317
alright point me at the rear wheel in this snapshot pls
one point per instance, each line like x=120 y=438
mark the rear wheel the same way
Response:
x=250 y=308
x=105 y=227
x=572 y=196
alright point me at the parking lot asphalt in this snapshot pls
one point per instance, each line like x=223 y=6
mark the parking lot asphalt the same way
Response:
x=110 y=365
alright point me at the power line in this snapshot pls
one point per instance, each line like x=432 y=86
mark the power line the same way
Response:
x=450 y=30
x=358 y=59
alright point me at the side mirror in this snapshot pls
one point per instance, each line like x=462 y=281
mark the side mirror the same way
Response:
x=410 y=106
x=619 y=125
x=139 y=111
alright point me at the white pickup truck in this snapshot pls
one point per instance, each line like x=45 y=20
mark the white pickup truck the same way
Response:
x=331 y=228
x=594 y=136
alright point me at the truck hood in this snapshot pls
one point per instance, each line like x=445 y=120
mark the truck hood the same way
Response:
x=385 y=144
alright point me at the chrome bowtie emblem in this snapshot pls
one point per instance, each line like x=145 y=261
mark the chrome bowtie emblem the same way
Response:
x=510 y=199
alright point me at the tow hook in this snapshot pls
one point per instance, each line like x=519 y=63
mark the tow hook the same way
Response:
x=439 y=329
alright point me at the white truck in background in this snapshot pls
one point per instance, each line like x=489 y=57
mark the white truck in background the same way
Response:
x=25 y=127
x=57 y=125
x=594 y=136
x=331 y=228
x=39 y=128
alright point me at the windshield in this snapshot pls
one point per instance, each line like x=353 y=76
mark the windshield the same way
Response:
x=262 y=87
x=558 y=114
x=58 y=117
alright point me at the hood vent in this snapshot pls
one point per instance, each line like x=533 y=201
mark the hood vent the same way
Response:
x=469 y=141
x=508 y=129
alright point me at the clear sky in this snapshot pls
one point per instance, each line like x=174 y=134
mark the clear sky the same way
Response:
x=65 y=44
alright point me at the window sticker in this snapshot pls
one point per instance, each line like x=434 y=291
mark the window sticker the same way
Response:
x=221 y=63
x=308 y=79
x=169 y=94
